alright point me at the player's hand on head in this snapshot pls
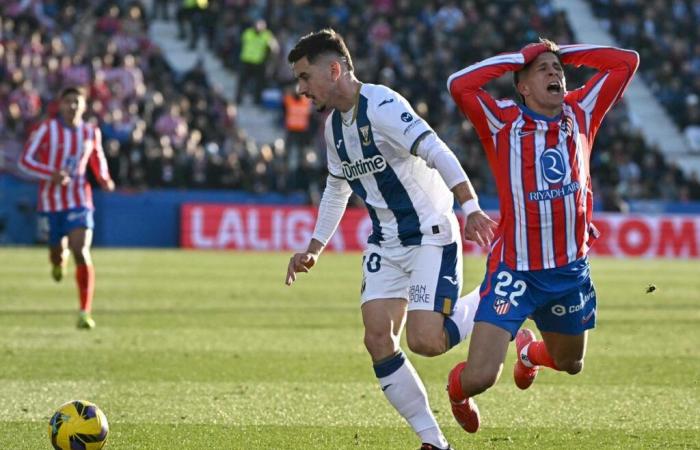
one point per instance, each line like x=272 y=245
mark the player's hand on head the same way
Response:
x=480 y=228
x=531 y=51
x=300 y=262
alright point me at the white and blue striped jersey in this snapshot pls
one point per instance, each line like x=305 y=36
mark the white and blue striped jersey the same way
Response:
x=373 y=148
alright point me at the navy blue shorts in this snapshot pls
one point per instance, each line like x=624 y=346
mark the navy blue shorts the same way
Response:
x=63 y=222
x=559 y=300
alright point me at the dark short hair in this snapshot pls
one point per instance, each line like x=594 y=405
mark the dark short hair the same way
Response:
x=553 y=47
x=76 y=90
x=319 y=43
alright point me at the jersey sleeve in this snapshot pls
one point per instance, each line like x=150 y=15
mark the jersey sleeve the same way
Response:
x=29 y=162
x=615 y=70
x=98 y=162
x=395 y=120
x=487 y=114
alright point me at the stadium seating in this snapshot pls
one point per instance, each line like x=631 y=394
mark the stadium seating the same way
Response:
x=168 y=129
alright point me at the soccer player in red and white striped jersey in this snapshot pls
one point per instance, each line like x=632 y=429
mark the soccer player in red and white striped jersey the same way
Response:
x=58 y=153
x=539 y=151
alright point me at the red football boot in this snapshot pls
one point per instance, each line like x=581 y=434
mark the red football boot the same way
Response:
x=523 y=375
x=464 y=409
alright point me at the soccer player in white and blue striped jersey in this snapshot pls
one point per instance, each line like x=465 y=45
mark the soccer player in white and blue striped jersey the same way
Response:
x=380 y=149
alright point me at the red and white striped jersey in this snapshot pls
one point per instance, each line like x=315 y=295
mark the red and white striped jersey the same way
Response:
x=541 y=164
x=54 y=146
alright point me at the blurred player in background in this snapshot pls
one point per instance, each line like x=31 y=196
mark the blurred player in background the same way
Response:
x=381 y=150
x=539 y=151
x=58 y=153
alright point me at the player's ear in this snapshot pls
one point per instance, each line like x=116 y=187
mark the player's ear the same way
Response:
x=522 y=88
x=336 y=70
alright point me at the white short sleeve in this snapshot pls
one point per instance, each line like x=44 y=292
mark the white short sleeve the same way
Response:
x=394 y=119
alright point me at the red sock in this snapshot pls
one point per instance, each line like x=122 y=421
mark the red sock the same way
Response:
x=538 y=355
x=85 y=277
x=454 y=383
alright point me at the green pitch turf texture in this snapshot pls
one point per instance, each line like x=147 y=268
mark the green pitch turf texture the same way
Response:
x=209 y=350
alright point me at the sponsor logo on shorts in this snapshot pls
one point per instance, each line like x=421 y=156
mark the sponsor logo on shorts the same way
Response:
x=75 y=215
x=501 y=305
x=418 y=293
x=452 y=280
x=588 y=316
x=558 y=310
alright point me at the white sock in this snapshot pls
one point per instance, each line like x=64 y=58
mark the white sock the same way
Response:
x=463 y=314
x=523 y=356
x=405 y=391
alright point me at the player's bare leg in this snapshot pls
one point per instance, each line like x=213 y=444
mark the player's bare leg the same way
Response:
x=58 y=255
x=562 y=352
x=79 y=241
x=487 y=351
x=567 y=350
x=425 y=333
x=383 y=320
x=431 y=333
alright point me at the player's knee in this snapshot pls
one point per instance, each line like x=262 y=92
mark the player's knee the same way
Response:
x=570 y=366
x=379 y=344
x=426 y=345
x=81 y=254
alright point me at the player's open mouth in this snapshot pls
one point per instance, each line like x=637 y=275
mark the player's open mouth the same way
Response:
x=554 y=87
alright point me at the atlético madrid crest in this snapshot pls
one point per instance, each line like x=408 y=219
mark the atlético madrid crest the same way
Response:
x=501 y=305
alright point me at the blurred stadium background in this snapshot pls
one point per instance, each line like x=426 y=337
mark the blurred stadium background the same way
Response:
x=202 y=164
x=163 y=78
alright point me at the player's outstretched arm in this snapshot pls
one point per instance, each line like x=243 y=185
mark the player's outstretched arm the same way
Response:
x=478 y=226
x=330 y=211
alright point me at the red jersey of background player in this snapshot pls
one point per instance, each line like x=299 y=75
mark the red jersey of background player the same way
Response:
x=55 y=146
x=541 y=164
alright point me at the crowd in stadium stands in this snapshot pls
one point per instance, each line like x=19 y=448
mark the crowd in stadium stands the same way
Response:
x=160 y=128
x=667 y=36
x=167 y=129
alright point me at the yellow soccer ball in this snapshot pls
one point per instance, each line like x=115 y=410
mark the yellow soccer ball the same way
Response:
x=78 y=425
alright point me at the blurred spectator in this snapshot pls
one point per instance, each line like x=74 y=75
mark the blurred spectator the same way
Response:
x=667 y=36
x=256 y=42
x=298 y=132
x=161 y=10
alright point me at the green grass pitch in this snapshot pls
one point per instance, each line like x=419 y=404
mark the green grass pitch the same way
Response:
x=209 y=350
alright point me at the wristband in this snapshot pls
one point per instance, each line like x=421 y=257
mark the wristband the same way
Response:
x=470 y=206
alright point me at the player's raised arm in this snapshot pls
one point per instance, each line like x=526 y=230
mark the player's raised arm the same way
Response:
x=466 y=88
x=615 y=70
